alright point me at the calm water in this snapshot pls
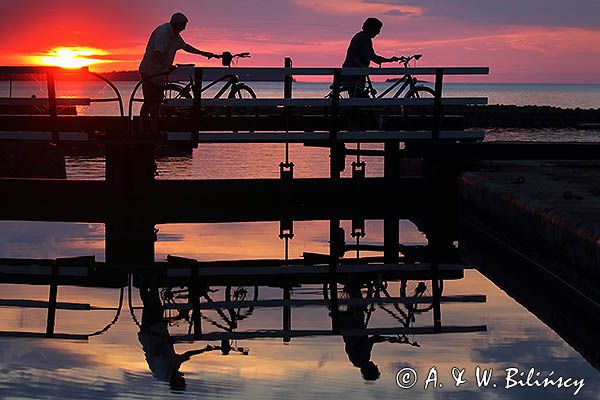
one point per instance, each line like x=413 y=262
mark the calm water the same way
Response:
x=116 y=363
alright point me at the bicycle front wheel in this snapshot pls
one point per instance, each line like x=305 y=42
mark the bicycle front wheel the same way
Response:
x=242 y=91
x=420 y=92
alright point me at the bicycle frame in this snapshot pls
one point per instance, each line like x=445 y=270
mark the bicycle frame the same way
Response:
x=406 y=81
x=231 y=81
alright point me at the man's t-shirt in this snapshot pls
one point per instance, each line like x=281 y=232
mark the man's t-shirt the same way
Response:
x=360 y=51
x=166 y=41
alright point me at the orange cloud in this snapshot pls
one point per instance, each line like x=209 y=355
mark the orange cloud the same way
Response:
x=69 y=57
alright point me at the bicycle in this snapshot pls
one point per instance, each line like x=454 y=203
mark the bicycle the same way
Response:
x=411 y=88
x=237 y=89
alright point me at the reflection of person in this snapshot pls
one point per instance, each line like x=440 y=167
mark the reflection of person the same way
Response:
x=359 y=348
x=164 y=42
x=157 y=343
x=360 y=53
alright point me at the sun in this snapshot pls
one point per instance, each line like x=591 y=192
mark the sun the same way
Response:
x=70 y=57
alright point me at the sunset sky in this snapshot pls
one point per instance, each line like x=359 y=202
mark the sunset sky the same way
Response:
x=521 y=40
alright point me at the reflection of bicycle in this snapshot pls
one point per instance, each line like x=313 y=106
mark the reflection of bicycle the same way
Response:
x=404 y=312
x=229 y=314
x=410 y=87
x=233 y=87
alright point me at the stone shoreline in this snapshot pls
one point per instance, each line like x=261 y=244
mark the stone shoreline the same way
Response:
x=535 y=117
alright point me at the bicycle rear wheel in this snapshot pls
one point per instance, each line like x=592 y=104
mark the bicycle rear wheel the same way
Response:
x=174 y=91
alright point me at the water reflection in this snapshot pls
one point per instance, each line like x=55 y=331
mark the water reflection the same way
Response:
x=284 y=323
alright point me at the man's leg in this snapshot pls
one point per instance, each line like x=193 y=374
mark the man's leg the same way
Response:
x=153 y=97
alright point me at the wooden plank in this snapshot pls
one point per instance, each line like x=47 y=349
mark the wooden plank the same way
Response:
x=348 y=137
x=37 y=101
x=44 y=270
x=43 y=136
x=276 y=333
x=183 y=73
x=320 y=102
x=276 y=303
x=43 y=304
x=291 y=270
x=73 y=123
x=39 y=335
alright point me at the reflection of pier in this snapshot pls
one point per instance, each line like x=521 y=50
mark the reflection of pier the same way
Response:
x=294 y=277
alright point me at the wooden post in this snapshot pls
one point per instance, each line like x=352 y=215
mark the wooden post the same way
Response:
x=437 y=103
x=391 y=160
x=437 y=310
x=334 y=153
x=287 y=314
x=391 y=240
x=287 y=80
x=195 y=300
x=197 y=91
x=52 y=109
x=53 y=294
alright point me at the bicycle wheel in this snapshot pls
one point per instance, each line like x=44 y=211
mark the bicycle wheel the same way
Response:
x=241 y=293
x=174 y=91
x=412 y=289
x=241 y=91
x=419 y=92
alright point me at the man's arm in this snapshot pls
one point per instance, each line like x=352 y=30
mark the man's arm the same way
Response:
x=379 y=59
x=191 y=49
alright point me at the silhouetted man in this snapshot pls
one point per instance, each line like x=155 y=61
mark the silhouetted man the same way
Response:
x=164 y=42
x=358 y=347
x=156 y=340
x=360 y=53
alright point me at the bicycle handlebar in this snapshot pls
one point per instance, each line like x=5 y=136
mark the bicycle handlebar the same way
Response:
x=405 y=60
x=226 y=57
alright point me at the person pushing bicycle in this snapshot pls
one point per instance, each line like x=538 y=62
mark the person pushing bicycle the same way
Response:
x=360 y=54
x=163 y=44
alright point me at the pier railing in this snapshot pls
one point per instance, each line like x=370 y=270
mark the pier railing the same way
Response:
x=53 y=101
x=334 y=103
